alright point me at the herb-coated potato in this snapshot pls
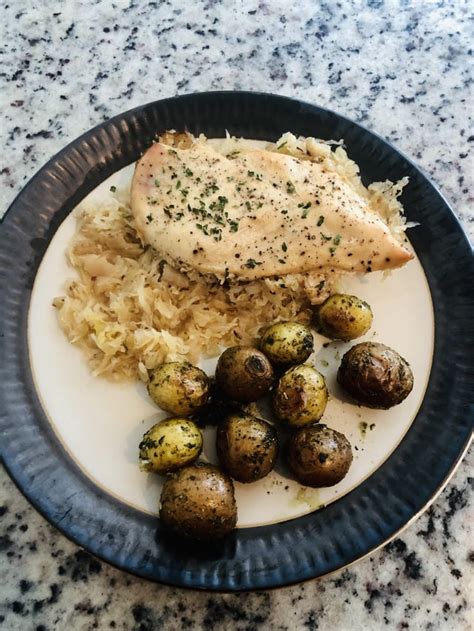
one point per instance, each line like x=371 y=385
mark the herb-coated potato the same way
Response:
x=178 y=387
x=244 y=373
x=319 y=456
x=344 y=317
x=375 y=375
x=247 y=447
x=198 y=502
x=287 y=343
x=169 y=445
x=301 y=396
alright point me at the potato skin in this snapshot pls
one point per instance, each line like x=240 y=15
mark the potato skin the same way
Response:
x=301 y=396
x=244 y=373
x=169 y=445
x=198 y=502
x=319 y=456
x=344 y=317
x=179 y=387
x=375 y=375
x=287 y=343
x=247 y=447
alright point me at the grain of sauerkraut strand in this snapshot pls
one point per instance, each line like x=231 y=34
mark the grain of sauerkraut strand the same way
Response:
x=129 y=311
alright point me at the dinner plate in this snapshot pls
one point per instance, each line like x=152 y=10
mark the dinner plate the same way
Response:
x=69 y=440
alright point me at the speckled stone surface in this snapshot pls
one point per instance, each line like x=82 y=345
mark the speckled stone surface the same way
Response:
x=401 y=68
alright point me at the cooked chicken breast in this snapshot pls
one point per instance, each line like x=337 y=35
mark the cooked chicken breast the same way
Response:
x=255 y=214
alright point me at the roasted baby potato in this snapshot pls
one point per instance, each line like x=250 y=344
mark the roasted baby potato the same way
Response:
x=169 y=445
x=244 y=374
x=375 y=375
x=179 y=387
x=301 y=396
x=247 y=447
x=344 y=317
x=198 y=502
x=287 y=343
x=319 y=456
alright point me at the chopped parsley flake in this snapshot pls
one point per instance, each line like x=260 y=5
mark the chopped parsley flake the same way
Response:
x=284 y=247
x=290 y=187
x=219 y=205
x=149 y=218
x=320 y=221
x=251 y=263
x=188 y=172
x=113 y=189
x=305 y=208
x=337 y=239
x=324 y=237
x=211 y=188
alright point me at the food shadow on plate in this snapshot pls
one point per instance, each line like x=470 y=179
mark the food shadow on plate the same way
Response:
x=188 y=550
x=327 y=362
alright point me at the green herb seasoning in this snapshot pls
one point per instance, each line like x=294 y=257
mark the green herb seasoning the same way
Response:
x=251 y=263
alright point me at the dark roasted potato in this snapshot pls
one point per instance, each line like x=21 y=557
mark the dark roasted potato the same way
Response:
x=244 y=373
x=301 y=396
x=319 y=456
x=287 y=343
x=179 y=387
x=198 y=502
x=247 y=447
x=169 y=445
x=344 y=317
x=375 y=375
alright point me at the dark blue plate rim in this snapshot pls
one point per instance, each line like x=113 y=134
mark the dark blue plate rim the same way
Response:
x=267 y=556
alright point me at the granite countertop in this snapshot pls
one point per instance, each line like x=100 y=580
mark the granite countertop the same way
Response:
x=401 y=68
